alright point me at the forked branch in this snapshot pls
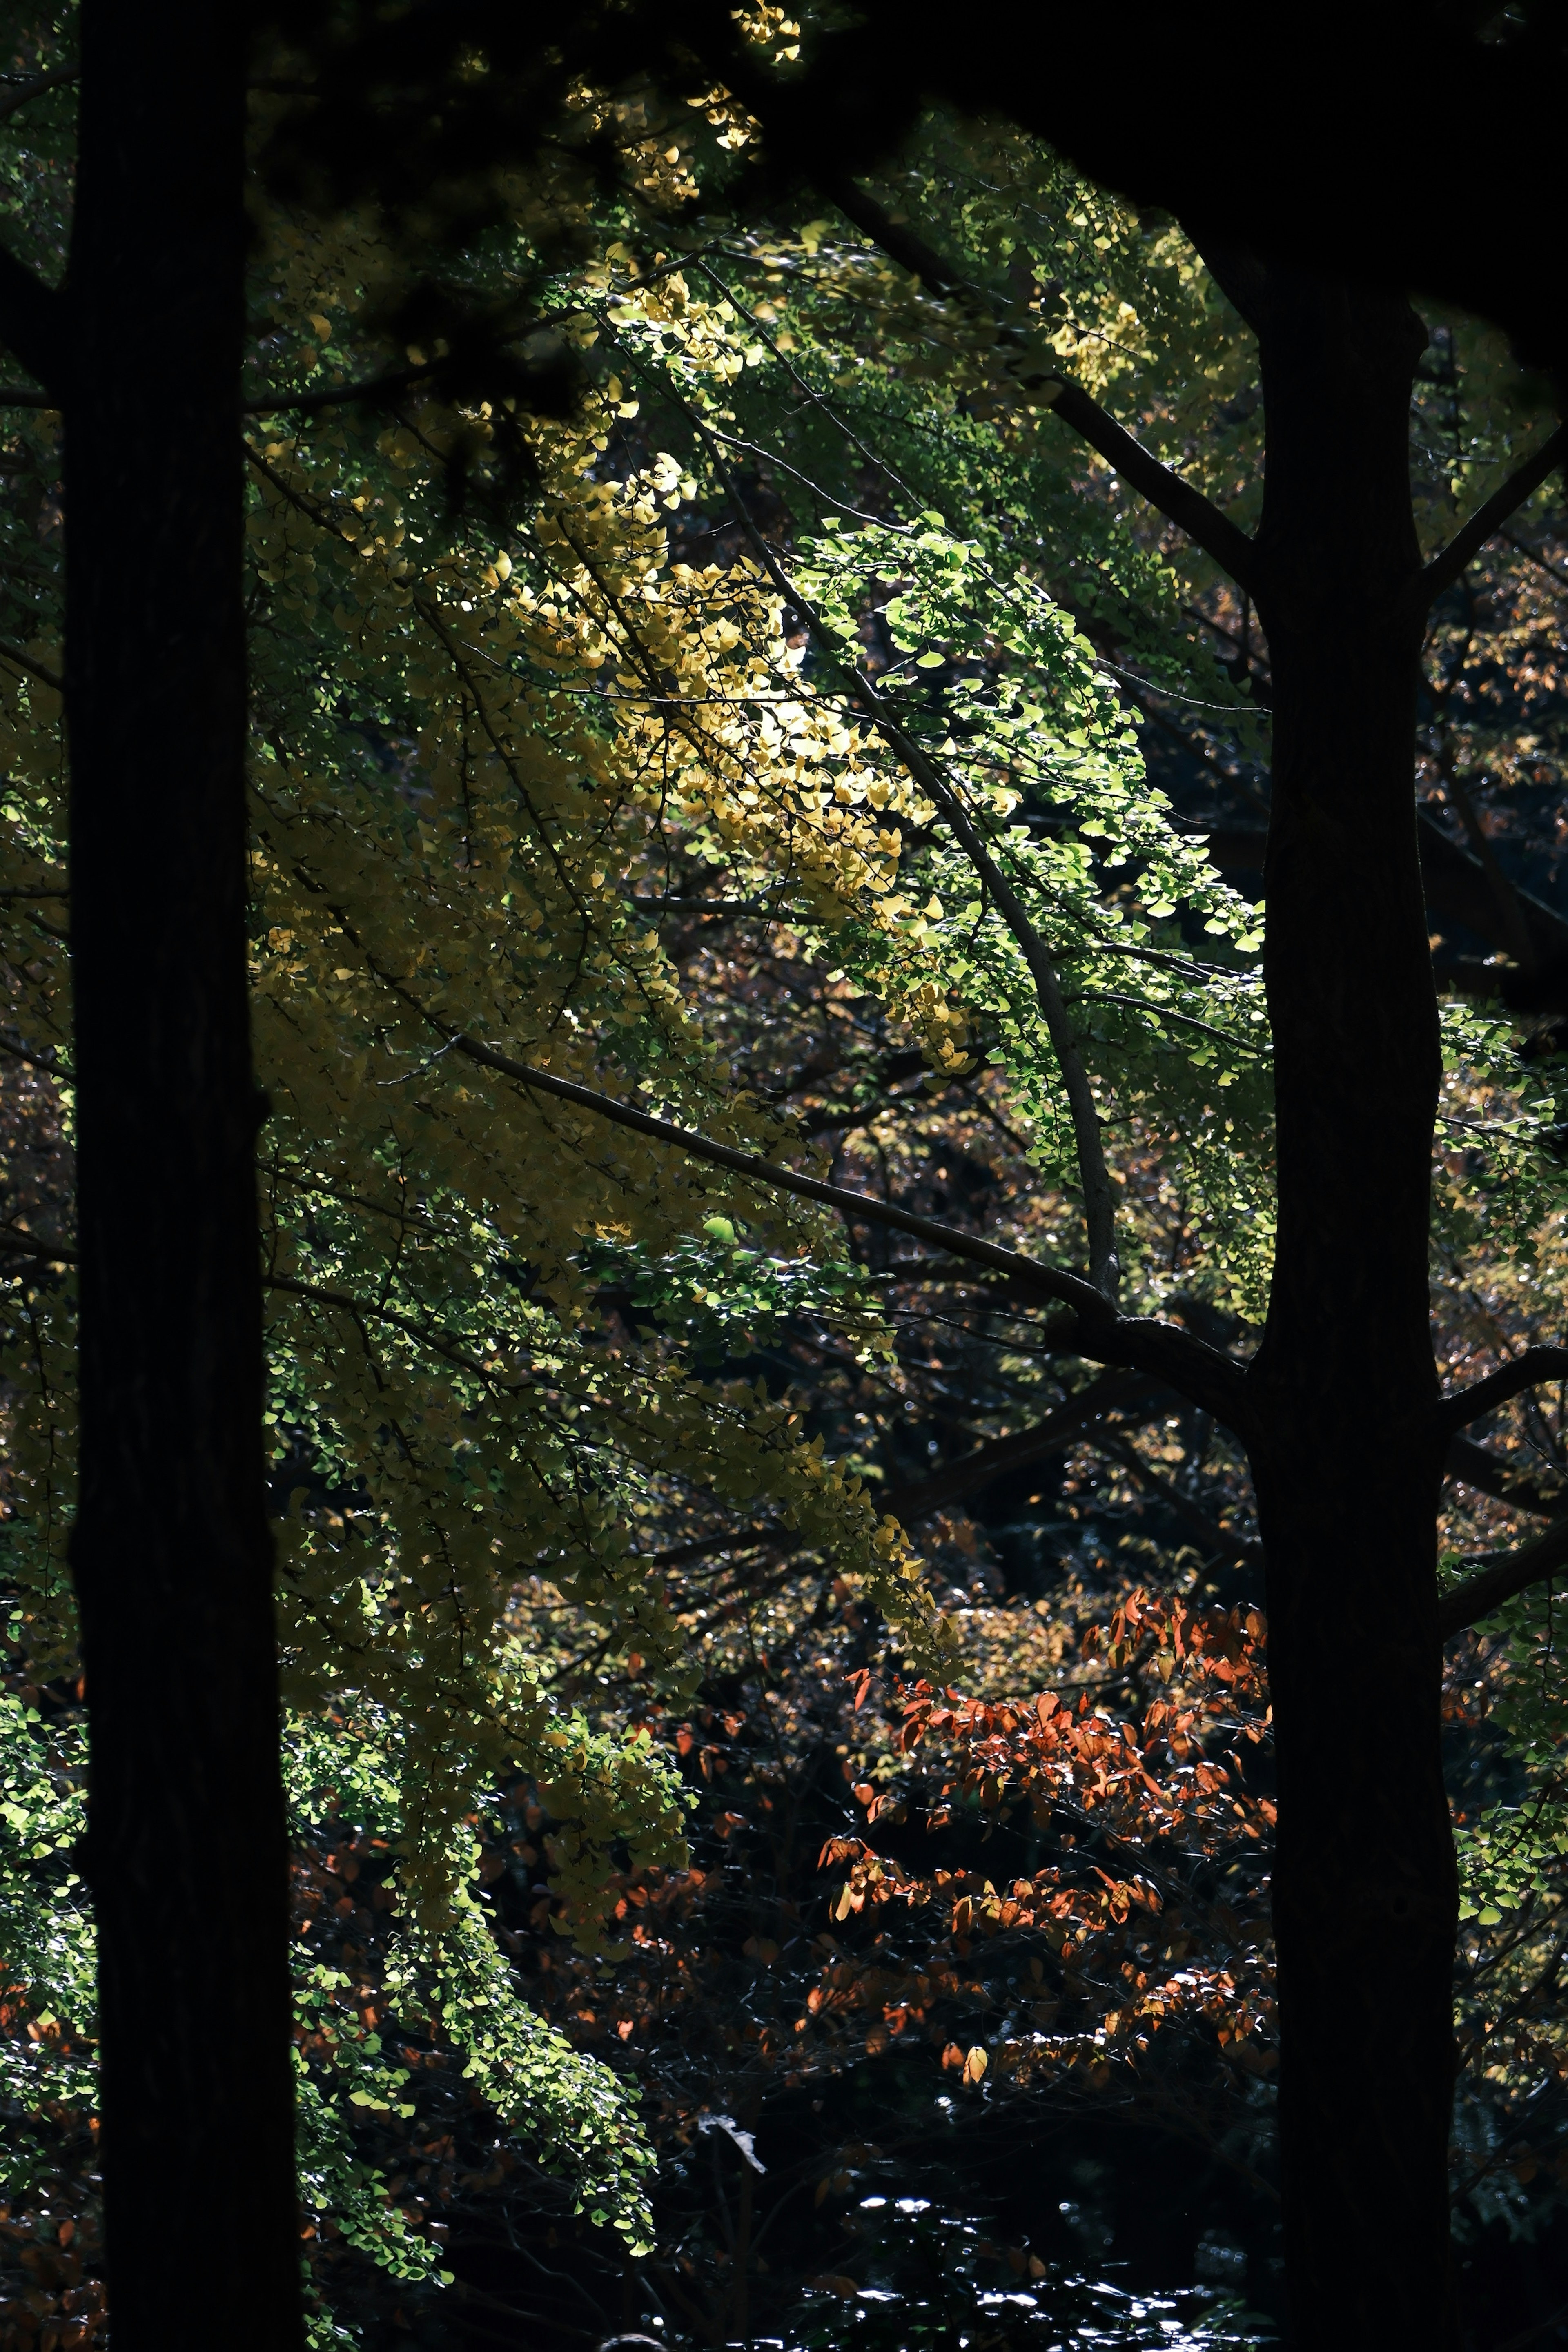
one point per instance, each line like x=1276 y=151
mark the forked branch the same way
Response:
x=1498 y=1576
x=1530 y=1370
x=1488 y=518
x=1493 y=1474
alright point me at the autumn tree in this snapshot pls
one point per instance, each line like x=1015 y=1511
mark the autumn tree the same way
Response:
x=1343 y=589
x=166 y=1109
x=379 y=1404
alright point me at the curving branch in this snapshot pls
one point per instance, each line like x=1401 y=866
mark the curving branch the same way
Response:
x=1048 y=1283
x=360 y=1311
x=1536 y=1366
x=1207 y=1377
x=1163 y=1352
x=1498 y=1576
x=1488 y=520
x=370 y=389
x=38 y=1057
x=1475 y=1465
x=1177 y=501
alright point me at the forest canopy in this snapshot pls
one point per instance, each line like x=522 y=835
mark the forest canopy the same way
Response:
x=903 y=949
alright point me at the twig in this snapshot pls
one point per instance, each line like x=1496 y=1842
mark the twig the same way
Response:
x=1471 y=537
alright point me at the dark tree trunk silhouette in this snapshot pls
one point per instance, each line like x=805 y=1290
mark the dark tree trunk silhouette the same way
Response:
x=1365 y=1890
x=171 y=1553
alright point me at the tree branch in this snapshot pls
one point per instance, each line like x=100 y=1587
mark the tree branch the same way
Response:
x=1527 y=1372
x=1216 y=1540
x=372 y=388
x=1177 y=501
x=342 y=1302
x=1471 y=537
x=34 y=670
x=35 y=1058
x=340 y=395
x=1210 y=1379
x=1499 y=1576
x=1062 y=1289
x=1099 y=1195
x=1513 y=921
x=19 y=1245
x=34 y=87
x=1474 y=1466
x=1020 y=1447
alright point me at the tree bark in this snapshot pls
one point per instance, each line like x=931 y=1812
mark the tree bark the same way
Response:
x=171 y=1554
x=1365 y=1904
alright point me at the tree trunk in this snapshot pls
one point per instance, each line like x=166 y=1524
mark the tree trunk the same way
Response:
x=171 y=1554
x=1366 y=1900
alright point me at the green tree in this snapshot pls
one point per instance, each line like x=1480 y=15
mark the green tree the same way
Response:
x=1364 y=1880
x=1345 y=1370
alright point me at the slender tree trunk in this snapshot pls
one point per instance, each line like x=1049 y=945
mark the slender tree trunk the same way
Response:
x=171 y=1554
x=1365 y=1900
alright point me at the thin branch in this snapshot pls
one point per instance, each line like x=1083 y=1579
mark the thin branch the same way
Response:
x=733 y=910
x=1511 y=916
x=847 y=1118
x=1098 y=1194
x=342 y=1302
x=1217 y=1539
x=1533 y=555
x=1166 y=1012
x=1058 y=1430
x=1536 y=1367
x=1062 y=1289
x=1474 y=1465
x=1499 y=1576
x=37 y=1058
x=270 y=404
x=1471 y=537
x=19 y=1245
x=34 y=87
x=1175 y=498
x=1209 y=1377
x=340 y=395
